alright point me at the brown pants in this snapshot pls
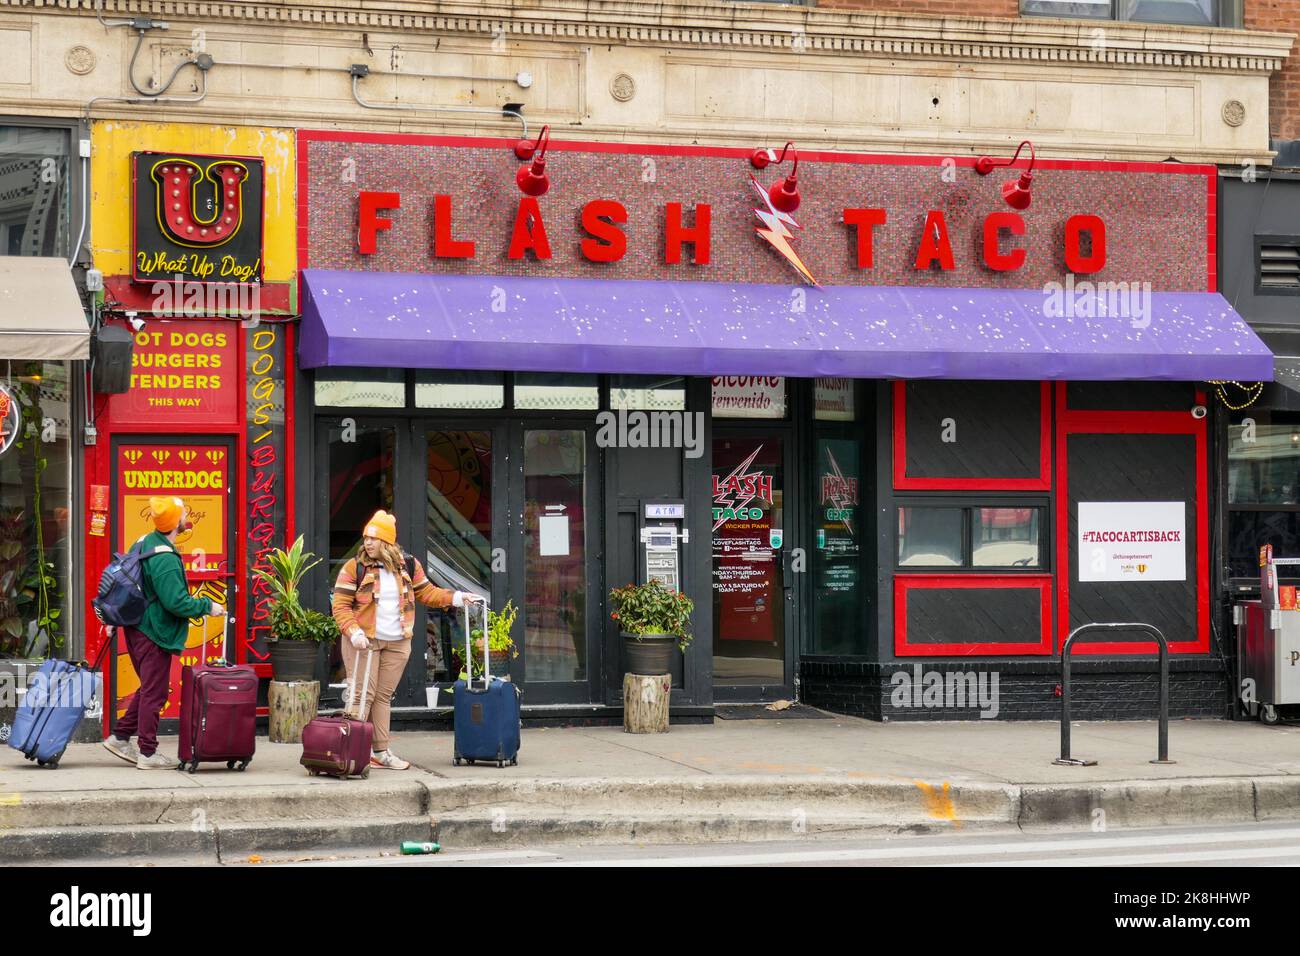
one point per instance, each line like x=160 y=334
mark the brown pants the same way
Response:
x=387 y=663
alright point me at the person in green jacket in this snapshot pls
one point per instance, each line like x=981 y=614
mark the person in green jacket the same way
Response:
x=161 y=634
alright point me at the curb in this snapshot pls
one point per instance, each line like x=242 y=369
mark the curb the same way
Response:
x=226 y=824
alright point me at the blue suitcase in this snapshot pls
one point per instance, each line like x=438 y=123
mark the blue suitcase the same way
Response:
x=58 y=696
x=486 y=716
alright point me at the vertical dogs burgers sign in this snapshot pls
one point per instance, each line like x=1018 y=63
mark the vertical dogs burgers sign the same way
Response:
x=196 y=218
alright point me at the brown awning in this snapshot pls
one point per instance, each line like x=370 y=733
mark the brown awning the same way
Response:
x=41 y=316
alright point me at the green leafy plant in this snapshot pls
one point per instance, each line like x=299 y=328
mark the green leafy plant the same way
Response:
x=651 y=608
x=308 y=625
x=499 y=625
x=290 y=621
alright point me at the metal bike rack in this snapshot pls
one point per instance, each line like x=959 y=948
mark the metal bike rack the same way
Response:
x=1163 y=742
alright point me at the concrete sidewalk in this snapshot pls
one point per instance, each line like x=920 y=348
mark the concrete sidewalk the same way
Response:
x=735 y=779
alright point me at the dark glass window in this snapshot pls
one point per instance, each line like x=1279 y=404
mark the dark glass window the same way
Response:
x=361 y=388
x=971 y=536
x=36 y=197
x=460 y=390
x=1263 y=489
x=930 y=537
x=1192 y=12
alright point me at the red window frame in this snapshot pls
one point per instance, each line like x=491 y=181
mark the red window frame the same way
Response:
x=1130 y=423
x=904 y=482
x=903 y=583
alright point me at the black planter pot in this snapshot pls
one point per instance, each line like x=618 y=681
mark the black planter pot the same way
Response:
x=293 y=660
x=650 y=653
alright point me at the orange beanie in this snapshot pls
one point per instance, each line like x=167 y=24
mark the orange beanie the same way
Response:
x=382 y=526
x=166 y=512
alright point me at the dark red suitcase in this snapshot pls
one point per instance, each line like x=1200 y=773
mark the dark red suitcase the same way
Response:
x=340 y=746
x=218 y=712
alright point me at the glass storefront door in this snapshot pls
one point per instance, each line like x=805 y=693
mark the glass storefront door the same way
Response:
x=752 y=584
x=457 y=553
x=458 y=489
x=558 y=643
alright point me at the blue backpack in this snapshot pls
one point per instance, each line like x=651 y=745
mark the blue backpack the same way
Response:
x=121 y=600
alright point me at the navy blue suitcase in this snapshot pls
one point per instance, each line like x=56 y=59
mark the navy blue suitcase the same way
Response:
x=486 y=716
x=58 y=696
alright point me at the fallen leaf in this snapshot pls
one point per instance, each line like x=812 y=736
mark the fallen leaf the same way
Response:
x=254 y=859
x=779 y=705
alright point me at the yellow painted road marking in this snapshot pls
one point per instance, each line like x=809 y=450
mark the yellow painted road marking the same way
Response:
x=10 y=799
x=939 y=804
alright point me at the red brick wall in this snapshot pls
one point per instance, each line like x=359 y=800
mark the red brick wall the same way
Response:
x=1284 y=88
x=1143 y=211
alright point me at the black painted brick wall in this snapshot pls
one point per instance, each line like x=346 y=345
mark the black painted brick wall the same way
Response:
x=1100 y=690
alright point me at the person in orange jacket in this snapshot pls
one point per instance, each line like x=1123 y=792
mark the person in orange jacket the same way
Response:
x=374 y=605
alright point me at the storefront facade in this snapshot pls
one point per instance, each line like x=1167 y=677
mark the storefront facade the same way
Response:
x=897 y=470
x=888 y=424
x=44 y=344
x=200 y=412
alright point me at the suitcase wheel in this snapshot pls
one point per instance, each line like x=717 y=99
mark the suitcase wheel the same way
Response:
x=365 y=773
x=244 y=765
x=194 y=766
x=514 y=761
x=455 y=761
x=230 y=765
x=500 y=764
x=470 y=761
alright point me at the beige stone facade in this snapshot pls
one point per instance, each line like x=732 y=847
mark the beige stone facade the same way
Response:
x=680 y=72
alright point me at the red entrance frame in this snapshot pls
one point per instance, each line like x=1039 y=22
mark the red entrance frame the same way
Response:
x=1130 y=423
x=903 y=583
x=904 y=482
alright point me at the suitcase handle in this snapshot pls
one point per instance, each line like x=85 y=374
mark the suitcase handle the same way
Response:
x=469 y=644
x=365 y=681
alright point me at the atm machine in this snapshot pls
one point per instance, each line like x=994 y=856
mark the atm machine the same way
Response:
x=663 y=533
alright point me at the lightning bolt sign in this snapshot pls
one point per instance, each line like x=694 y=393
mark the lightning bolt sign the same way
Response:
x=741 y=472
x=774 y=230
x=840 y=499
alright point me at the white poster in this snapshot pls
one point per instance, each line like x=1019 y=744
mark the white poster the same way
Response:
x=1132 y=541
x=553 y=535
x=749 y=396
x=833 y=398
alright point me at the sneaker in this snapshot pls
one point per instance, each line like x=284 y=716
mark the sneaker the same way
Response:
x=155 y=761
x=122 y=748
x=387 y=760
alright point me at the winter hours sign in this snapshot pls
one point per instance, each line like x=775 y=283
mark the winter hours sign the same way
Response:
x=1132 y=541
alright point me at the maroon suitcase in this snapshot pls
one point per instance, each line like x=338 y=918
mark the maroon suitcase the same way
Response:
x=218 y=712
x=340 y=746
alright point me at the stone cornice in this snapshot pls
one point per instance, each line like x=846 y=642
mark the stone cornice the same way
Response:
x=687 y=24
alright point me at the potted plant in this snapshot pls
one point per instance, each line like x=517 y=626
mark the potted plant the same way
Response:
x=501 y=646
x=296 y=632
x=652 y=619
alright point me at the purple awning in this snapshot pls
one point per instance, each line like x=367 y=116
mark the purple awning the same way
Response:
x=414 y=320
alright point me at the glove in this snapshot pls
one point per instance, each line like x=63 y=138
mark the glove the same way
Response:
x=217 y=610
x=359 y=640
x=459 y=598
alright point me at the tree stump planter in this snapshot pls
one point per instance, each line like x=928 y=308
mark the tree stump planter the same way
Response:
x=292 y=705
x=645 y=703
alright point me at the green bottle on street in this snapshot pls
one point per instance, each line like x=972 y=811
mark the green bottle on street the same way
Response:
x=414 y=847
